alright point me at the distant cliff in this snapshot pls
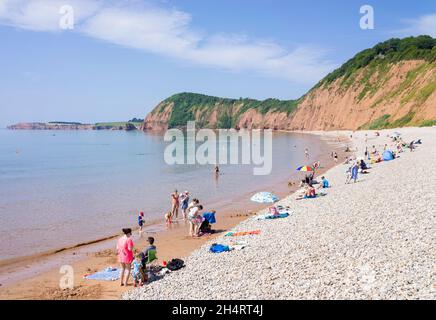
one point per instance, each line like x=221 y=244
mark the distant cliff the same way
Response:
x=392 y=84
x=128 y=126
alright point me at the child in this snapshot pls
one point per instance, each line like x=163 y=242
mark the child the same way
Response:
x=145 y=255
x=137 y=271
x=324 y=183
x=168 y=218
x=141 y=221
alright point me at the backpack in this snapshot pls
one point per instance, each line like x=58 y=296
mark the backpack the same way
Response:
x=175 y=264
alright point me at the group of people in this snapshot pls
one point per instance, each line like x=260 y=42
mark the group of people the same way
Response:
x=132 y=261
x=308 y=190
x=178 y=201
x=192 y=213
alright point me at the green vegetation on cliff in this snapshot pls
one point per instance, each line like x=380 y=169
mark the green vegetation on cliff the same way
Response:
x=192 y=106
x=366 y=73
x=390 y=51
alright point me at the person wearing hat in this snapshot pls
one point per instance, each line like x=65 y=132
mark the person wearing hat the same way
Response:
x=184 y=200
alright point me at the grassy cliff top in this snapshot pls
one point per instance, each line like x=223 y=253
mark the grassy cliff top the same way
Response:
x=393 y=50
x=186 y=105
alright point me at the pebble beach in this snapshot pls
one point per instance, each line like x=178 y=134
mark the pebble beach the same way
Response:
x=374 y=239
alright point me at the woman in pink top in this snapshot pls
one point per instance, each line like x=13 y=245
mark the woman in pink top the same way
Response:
x=125 y=254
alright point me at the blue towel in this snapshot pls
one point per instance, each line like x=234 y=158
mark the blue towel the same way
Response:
x=210 y=217
x=217 y=248
x=281 y=215
x=109 y=274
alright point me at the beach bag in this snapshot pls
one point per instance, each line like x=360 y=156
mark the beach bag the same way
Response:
x=217 y=248
x=175 y=264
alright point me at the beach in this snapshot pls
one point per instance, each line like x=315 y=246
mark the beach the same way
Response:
x=37 y=276
x=374 y=239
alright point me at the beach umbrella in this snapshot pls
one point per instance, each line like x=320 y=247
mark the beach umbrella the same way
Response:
x=306 y=169
x=264 y=197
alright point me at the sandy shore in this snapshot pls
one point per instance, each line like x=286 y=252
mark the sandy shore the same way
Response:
x=40 y=274
x=374 y=239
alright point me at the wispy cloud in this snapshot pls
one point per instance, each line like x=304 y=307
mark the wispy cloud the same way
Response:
x=425 y=24
x=169 y=32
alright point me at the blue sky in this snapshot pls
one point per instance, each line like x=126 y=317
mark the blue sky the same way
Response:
x=123 y=57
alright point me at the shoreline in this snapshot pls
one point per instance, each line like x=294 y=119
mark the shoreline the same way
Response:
x=81 y=254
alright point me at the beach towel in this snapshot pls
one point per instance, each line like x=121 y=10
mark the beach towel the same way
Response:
x=108 y=274
x=321 y=194
x=238 y=245
x=217 y=248
x=271 y=216
x=244 y=233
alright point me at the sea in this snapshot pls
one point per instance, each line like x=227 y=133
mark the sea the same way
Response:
x=62 y=188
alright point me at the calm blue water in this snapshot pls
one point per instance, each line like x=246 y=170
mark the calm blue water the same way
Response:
x=60 y=188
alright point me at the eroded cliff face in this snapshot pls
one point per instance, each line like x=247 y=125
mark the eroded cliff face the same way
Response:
x=406 y=92
x=397 y=94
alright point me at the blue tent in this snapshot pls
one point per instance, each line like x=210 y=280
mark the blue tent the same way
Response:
x=388 y=155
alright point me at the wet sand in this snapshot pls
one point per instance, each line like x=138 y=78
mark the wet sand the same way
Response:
x=37 y=277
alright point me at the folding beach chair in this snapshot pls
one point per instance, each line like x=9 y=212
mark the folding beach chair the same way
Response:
x=152 y=257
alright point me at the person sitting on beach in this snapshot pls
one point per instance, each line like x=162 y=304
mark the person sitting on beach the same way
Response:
x=137 y=271
x=399 y=147
x=411 y=146
x=363 y=165
x=145 y=252
x=125 y=254
x=324 y=183
x=312 y=191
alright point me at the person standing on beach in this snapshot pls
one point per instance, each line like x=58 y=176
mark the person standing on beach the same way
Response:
x=125 y=254
x=354 y=172
x=175 y=204
x=141 y=221
x=336 y=157
x=306 y=153
x=184 y=201
x=193 y=220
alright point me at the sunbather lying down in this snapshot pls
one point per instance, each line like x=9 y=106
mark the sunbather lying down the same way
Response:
x=310 y=193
